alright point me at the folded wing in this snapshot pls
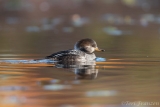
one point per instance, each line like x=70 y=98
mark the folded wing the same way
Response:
x=65 y=55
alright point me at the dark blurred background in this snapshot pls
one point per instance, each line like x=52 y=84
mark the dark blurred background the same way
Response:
x=46 y=26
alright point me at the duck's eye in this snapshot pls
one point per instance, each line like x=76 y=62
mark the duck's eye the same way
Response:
x=93 y=46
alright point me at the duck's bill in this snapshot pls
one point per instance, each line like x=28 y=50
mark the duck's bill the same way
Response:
x=100 y=50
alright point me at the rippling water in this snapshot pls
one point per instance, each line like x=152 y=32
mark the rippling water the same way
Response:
x=113 y=83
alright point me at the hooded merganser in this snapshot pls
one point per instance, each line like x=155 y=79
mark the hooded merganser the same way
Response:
x=83 y=51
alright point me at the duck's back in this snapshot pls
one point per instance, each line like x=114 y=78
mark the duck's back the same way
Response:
x=67 y=55
x=71 y=55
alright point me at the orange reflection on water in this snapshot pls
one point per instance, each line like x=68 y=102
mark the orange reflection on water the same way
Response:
x=39 y=85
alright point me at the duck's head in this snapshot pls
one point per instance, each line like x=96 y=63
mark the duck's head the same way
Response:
x=87 y=46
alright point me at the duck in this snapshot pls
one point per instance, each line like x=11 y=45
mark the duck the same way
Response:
x=83 y=51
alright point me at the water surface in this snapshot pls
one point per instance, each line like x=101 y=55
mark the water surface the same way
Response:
x=110 y=83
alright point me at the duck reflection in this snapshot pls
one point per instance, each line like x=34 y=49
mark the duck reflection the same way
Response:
x=83 y=70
